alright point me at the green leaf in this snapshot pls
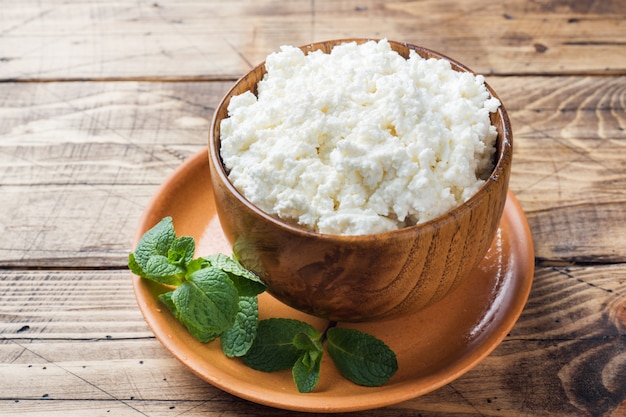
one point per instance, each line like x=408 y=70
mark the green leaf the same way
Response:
x=156 y=241
x=237 y=340
x=134 y=266
x=246 y=282
x=159 y=269
x=181 y=251
x=306 y=370
x=274 y=348
x=196 y=265
x=360 y=357
x=307 y=341
x=151 y=257
x=207 y=303
x=166 y=298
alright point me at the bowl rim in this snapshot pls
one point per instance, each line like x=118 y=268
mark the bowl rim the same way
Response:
x=502 y=156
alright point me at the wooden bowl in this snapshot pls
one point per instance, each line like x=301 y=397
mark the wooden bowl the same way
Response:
x=365 y=277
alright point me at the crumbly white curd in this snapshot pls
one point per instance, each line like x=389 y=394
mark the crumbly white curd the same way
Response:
x=359 y=140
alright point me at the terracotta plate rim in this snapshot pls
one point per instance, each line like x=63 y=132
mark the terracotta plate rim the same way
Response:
x=177 y=341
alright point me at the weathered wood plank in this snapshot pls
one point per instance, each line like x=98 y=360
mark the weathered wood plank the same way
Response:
x=91 y=152
x=568 y=168
x=129 y=113
x=564 y=357
x=98 y=152
x=76 y=226
x=86 y=305
x=198 y=39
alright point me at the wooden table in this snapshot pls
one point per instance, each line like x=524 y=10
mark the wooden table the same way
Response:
x=101 y=100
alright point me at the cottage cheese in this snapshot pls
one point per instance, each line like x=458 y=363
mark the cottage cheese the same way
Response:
x=360 y=140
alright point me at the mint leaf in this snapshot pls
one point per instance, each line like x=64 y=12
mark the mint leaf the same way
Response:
x=246 y=282
x=156 y=241
x=206 y=304
x=237 y=340
x=151 y=257
x=360 y=357
x=134 y=266
x=160 y=270
x=166 y=298
x=274 y=348
x=181 y=251
x=306 y=370
x=308 y=341
x=196 y=265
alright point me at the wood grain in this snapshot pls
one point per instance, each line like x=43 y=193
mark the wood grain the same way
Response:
x=80 y=341
x=80 y=39
x=91 y=152
x=568 y=169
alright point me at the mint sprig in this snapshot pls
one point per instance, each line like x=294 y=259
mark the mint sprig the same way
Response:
x=211 y=295
x=216 y=297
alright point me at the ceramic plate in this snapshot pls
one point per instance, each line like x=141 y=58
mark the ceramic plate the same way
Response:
x=434 y=346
